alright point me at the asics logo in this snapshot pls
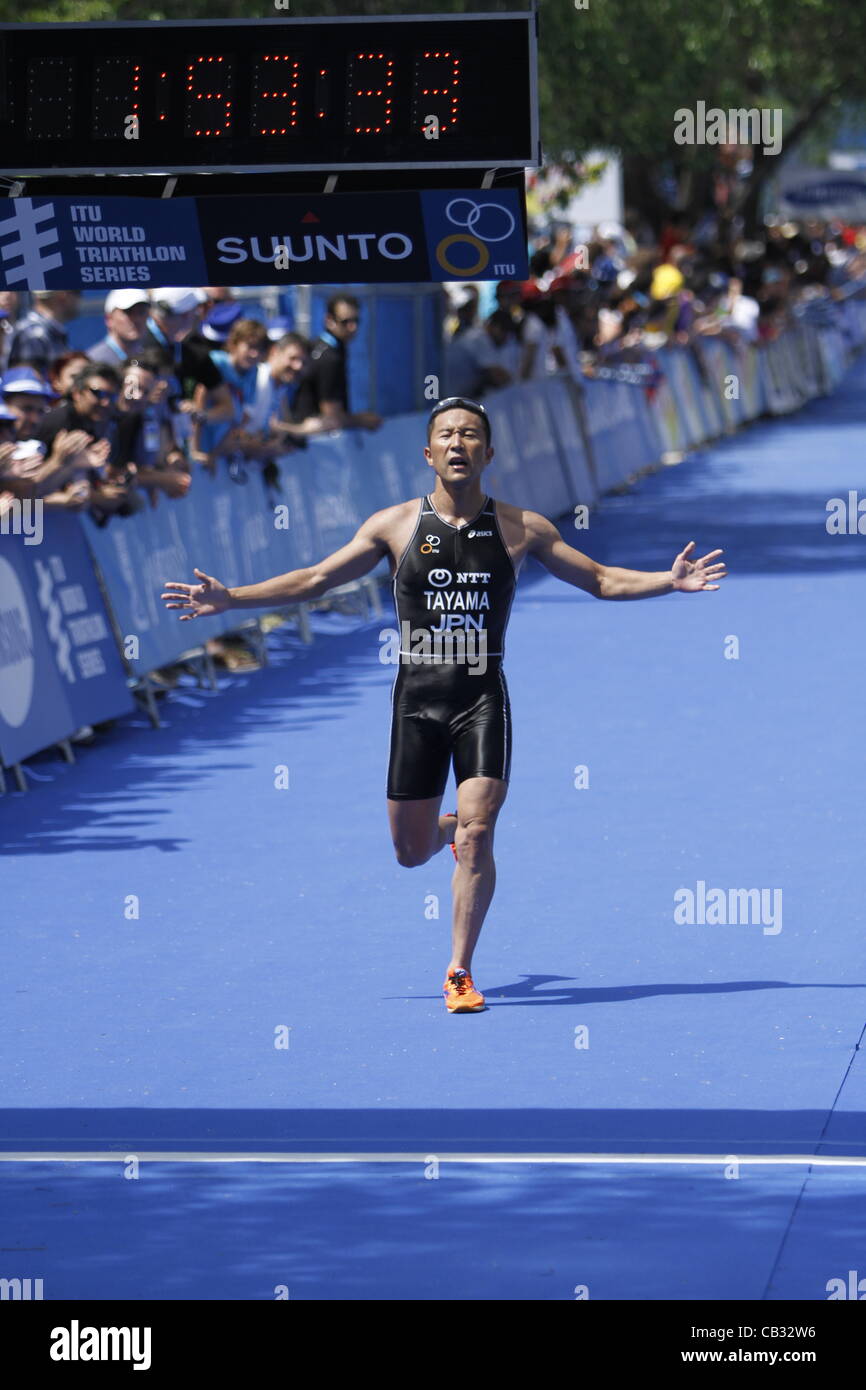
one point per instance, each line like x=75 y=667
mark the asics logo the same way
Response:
x=470 y=534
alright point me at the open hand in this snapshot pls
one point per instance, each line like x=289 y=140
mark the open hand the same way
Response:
x=691 y=575
x=204 y=599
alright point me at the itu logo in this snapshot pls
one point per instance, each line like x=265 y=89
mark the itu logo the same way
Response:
x=431 y=545
x=484 y=223
x=32 y=231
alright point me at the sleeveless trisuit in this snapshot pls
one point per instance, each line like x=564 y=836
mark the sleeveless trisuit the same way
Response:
x=453 y=588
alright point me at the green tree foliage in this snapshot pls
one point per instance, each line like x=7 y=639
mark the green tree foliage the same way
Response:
x=612 y=75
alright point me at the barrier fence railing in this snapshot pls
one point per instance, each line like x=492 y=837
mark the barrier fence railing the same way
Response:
x=82 y=625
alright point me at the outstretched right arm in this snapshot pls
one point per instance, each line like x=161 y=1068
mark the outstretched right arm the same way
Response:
x=363 y=552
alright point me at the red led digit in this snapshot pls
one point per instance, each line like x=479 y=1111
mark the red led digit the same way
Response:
x=274 y=108
x=208 y=95
x=436 y=89
x=370 y=105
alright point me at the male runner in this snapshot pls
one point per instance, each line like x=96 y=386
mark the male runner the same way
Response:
x=454 y=558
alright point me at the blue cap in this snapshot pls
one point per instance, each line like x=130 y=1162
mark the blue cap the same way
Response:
x=24 y=381
x=277 y=328
x=220 y=319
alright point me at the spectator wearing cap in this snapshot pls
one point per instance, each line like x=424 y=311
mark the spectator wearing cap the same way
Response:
x=210 y=298
x=8 y=315
x=26 y=398
x=217 y=325
x=11 y=486
x=40 y=336
x=126 y=320
x=278 y=328
x=324 y=390
x=173 y=316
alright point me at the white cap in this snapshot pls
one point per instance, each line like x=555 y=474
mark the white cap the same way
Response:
x=179 y=301
x=124 y=299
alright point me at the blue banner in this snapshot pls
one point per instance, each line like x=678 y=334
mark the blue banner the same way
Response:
x=59 y=664
x=34 y=711
x=407 y=237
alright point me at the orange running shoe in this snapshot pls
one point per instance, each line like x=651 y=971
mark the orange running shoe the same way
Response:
x=461 y=996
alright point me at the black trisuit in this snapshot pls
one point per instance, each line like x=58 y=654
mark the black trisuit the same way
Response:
x=458 y=580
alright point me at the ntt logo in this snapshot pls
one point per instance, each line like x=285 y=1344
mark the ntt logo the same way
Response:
x=234 y=250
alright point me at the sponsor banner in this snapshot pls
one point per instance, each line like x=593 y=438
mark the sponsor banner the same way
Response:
x=137 y=554
x=823 y=193
x=562 y=394
x=528 y=467
x=830 y=347
x=34 y=710
x=622 y=439
x=750 y=383
x=720 y=365
x=59 y=664
x=667 y=417
x=682 y=376
x=56 y=242
x=77 y=623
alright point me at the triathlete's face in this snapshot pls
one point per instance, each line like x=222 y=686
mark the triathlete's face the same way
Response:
x=458 y=447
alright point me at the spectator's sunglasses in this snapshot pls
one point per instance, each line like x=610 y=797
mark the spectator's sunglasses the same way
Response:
x=351 y=318
x=101 y=394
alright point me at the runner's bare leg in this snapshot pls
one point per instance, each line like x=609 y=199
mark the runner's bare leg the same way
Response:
x=479 y=800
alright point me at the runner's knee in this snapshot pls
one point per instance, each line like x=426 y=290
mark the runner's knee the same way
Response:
x=410 y=855
x=474 y=839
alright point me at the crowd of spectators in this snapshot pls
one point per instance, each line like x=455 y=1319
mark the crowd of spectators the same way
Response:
x=613 y=299
x=183 y=378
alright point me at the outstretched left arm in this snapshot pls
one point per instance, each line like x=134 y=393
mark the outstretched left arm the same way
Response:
x=609 y=581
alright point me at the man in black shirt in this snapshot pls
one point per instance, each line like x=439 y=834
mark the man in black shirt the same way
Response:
x=324 y=390
x=173 y=316
x=91 y=408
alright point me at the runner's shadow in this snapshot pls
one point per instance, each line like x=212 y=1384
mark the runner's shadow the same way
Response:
x=528 y=990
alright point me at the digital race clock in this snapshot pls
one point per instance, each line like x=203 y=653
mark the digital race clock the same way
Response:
x=418 y=92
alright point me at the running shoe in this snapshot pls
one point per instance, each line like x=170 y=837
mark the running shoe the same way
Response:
x=461 y=996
